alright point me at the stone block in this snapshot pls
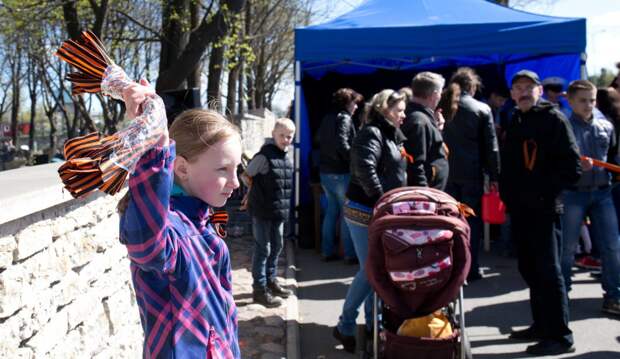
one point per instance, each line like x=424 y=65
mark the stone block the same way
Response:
x=63 y=225
x=13 y=284
x=33 y=239
x=7 y=247
x=82 y=308
x=50 y=335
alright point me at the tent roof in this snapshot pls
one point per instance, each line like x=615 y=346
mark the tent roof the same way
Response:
x=415 y=29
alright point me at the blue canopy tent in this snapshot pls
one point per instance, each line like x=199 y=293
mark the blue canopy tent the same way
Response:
x=387 y=37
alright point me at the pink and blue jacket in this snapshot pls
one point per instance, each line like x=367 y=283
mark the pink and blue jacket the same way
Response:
x=180 y=267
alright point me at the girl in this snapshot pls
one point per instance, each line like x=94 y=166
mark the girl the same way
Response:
x=377 y=166
x=180 y=267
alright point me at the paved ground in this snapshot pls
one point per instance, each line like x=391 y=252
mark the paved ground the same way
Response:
x=494 y=306
x=262 y=331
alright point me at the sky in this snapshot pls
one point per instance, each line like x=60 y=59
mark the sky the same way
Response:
x=602 y=25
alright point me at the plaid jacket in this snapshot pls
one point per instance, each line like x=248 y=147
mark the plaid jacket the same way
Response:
x=180 y=267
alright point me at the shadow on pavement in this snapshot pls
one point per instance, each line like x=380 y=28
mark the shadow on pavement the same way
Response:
x=326 y=291
x=315 y=269
x=328 y=347
x=505 y=316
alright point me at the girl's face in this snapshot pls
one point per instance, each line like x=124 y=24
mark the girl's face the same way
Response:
x=212 y=177
x=396 y=113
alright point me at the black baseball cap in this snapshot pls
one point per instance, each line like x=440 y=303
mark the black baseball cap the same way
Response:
x=525 y=74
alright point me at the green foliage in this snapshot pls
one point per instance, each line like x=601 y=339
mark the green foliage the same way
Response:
x=603 y=78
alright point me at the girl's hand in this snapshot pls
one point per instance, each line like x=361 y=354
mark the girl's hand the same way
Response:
x=134 y=95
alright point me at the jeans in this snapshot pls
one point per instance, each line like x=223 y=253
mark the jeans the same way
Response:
x=268 y=243
x=335 y=187
x=604 y=233
x=470 y=193
x=537 y=240
x=360 y=290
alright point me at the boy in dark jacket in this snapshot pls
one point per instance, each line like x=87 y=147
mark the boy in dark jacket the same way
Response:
x=271 y=171
x=541 y=159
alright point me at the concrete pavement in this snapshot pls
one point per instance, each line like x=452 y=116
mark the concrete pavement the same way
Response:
x=494 y=306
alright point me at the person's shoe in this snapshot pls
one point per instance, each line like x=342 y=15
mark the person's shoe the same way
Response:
x=525 y=334
x=588 y=262
x=611 y=306
x=347 y=341
x=351 y=261
x=329 y=258
x=277 y=290
x=263 y=297
x=549 y=347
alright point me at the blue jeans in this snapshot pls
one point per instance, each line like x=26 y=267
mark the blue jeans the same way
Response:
x=268 y=242
x=600 y=207
x=360 y=290
x=335 y=187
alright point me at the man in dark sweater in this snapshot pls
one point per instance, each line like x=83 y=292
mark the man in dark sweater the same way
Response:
x=424 y=140
x=541 y=159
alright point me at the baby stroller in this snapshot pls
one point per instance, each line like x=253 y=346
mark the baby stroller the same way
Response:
x=418 y=259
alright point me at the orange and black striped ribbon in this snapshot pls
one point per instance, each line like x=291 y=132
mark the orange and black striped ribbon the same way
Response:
x=219 y=219
x=529 y=157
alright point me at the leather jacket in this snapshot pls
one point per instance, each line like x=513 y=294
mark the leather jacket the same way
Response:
x=336 y=135
x=377 y=164
x=472 y=142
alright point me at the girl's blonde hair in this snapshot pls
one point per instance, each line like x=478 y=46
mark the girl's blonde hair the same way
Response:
x=380 y=103
x=194 y=131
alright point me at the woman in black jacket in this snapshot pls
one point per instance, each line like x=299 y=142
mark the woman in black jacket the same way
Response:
x=336 y=137
x=377 y=166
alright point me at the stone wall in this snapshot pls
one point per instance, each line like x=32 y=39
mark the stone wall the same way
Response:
x=65 y=288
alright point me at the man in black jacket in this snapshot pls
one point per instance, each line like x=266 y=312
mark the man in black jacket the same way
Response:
x=540 y=159
x=472 y=141
x=424 y=140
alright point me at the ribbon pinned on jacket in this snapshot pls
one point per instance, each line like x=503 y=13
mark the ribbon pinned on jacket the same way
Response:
x=529 y=158
x=219 y=219
x=405 y=155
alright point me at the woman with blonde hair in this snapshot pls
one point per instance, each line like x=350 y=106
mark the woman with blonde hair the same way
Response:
x=377 y=166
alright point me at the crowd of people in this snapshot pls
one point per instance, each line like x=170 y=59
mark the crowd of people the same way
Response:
x=550 y=140
x=427 y=135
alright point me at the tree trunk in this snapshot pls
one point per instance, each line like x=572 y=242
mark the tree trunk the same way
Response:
x=193 y=80
x=16 y=99
x=72 y=20
x=231 y=92
x=216 y=64
x=173 y=74
x=32 y=87
x=173 y=41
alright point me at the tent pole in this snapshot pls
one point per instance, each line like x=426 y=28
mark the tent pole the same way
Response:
x=582 y=66
x=297 y=140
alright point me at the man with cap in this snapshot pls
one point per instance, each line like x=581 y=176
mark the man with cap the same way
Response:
x=541 y=159
x=553 y=91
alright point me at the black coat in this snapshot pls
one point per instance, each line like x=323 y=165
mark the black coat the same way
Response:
x=425 y=143
x=336 y=136
x=472 y=142
x=377 y=164
x=556 y=165
x=270 y=193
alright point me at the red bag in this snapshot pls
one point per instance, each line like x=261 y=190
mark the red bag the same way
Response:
x=493 y=209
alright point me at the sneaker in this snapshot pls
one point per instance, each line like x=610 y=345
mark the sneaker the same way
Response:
x=525 y=334
x=347 y=341
x=263 y=297
x=549 y=347
x=588 y=262
x=278 y=290
x=611 y=306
